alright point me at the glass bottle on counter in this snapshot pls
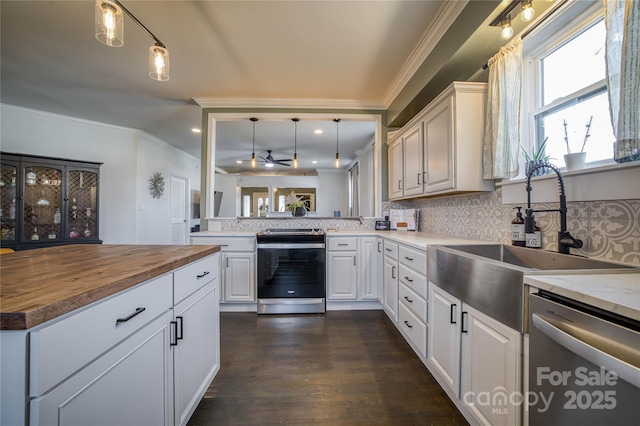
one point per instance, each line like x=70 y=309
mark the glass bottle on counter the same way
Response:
x=73 y=233
x=74 y=209
x=56 y=216
x=35 y=236
x=87 y=231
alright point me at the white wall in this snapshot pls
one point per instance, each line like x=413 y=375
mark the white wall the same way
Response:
x=333 y=192
x=129 y=157
x=229 y=204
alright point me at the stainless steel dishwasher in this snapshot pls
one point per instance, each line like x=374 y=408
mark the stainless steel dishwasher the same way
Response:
x=584 y=364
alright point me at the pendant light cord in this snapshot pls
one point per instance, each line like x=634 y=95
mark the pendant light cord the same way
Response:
x=125 y=10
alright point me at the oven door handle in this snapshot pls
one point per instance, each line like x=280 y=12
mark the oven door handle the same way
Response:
x=291 y=246
x=596 y=356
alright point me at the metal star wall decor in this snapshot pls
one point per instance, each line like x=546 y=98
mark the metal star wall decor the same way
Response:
x=156 y=185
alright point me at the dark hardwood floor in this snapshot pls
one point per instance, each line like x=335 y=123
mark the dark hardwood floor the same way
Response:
x=344 y=367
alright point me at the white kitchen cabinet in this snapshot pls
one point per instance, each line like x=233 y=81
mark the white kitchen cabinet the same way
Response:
x=444 y=337
x=342 y=268
x=413 y=142
x=238 y=266
x=239 y=275
x=196 y=353
x=396 y=169
x=476 y=358
x=490 y=365
x=370 y=252
x=132 y=384
x=390 y=280
x=451 y=129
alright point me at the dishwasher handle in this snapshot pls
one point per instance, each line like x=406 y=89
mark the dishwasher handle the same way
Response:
x=623 y=370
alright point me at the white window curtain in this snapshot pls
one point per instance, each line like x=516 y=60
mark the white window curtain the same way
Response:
x=502 y=122
x=622 y=21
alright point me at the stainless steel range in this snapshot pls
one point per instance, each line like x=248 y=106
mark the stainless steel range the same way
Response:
x=291 y=271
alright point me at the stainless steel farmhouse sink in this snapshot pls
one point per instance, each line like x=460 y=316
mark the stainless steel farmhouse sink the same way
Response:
x=490 y=277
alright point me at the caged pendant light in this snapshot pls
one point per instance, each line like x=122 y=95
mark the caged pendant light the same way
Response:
x=337 y=120
x=295 y=143
x=253 y=151
x=109 y=17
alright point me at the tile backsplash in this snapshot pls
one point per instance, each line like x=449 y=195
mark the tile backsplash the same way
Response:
x=609 y=229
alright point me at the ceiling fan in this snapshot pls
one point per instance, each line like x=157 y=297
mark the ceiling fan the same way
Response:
x=270 y=162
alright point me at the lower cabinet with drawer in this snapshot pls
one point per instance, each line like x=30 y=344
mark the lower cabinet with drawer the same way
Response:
x=144 y=356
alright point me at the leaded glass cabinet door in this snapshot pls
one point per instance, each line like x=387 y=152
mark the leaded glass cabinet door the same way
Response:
x=9 y=198
x=42 y=203
x=82 y=204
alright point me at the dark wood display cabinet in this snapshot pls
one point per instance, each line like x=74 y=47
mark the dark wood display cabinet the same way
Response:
x=48 y=201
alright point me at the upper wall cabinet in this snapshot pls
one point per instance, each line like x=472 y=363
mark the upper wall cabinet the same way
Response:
x=47 y=201
x=441 y=146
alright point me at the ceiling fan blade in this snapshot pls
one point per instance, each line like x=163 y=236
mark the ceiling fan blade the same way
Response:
x=282 y=164
x=288 y=159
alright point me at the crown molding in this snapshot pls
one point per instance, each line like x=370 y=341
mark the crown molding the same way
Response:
x=441 y=22
x=289 y=103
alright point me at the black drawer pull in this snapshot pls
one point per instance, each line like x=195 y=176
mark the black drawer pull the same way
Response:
x=408 y=300
x=407 y=324
x=174 y=334
x=343 y=244
x=387 y=249
x=137 y=312
x=179 y=328
x=408 y=279
x=410 y=259
x=204 y=274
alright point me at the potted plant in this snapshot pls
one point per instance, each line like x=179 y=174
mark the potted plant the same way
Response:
x=575 y=160
x=296 y=205
x=536 y=157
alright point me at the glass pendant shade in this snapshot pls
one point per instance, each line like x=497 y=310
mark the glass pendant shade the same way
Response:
x=507 y=30
x=295 y=143
x=295 y=160
x=158 y=63
x=337 y=160
x=253 y=159
x=109 y=23
x=527 y=11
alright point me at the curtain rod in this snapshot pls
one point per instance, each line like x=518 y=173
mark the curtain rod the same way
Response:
x=532 y=27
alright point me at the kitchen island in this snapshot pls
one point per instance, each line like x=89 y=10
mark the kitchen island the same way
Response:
x=78 y=321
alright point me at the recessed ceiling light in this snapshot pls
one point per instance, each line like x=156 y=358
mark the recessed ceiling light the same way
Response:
x=238 y=161
x=318 y=131
x=196 y=130
x=314 y=162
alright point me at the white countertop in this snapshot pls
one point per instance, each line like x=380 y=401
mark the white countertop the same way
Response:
x=618 y=293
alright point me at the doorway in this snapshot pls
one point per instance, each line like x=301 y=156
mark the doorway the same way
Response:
x=179 y=210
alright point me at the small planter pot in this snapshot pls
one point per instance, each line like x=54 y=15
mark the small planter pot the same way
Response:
x=575 y=161
x=298 y=211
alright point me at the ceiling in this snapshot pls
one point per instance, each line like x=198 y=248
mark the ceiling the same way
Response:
x=228 y=53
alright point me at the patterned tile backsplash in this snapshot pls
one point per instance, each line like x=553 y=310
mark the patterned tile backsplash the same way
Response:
x=610 y=230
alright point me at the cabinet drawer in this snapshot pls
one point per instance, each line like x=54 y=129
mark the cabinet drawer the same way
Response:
x=391 y=249
x=413 y=328
x=59 y=349
x=413 y=280
x=415 y=259
x=342 y=244
x=414 y=302
x=227 y=243
x=194 y=276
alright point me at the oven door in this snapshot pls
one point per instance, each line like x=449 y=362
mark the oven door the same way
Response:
x=291 y=270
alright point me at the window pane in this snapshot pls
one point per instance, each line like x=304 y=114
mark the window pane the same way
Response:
x=576 y=114
x=575 y=65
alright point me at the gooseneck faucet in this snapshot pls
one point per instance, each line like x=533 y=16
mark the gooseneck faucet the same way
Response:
x=565 y=240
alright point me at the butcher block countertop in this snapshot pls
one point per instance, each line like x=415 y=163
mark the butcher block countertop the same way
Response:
x=42 y=284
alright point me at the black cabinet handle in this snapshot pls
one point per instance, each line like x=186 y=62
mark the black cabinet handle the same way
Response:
x=419 y=178
x=179 y=329
x=174 y=342
x=407 y=324
x=462 y=325
x=379 y=247
x=343 y=244
x=393 y=272
x=452 y=318
x=410 y=259
x=408 y=300
x=408 y=279
x=388 y=249
x=125 y=319
x=204 y=274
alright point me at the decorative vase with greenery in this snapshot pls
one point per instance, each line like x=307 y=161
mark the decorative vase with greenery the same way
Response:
x=576 y=160
x=296 y=205
x=535 y=157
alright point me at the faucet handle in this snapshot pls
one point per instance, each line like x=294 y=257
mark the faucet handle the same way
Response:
x=566 y=241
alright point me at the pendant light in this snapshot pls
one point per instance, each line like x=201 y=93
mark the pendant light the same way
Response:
x=337 y=120
x=295 y=143
x=507 y=30
x=109 y=17
x=108 y=23
x=528 y=12
x=253 y=152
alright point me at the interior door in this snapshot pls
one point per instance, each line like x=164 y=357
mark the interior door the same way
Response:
x=179 y=210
